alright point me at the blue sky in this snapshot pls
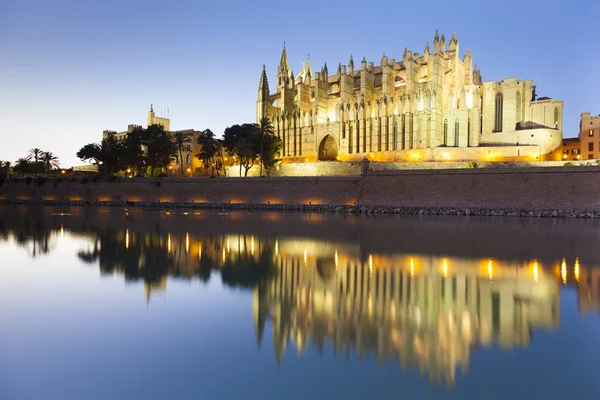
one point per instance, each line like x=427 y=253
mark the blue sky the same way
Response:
x=71 y=68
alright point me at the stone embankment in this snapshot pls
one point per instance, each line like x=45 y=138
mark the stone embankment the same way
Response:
x=345 y=209
x=532 y=192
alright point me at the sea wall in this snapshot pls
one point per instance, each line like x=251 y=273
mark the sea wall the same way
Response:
x=532 y=189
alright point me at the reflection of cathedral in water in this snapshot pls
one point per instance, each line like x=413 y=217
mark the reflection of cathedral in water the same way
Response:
x=424 y=312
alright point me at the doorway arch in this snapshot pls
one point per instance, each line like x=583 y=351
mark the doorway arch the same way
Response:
x=328 y=150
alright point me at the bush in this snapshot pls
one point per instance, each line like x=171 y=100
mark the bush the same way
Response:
x=28 y=180
x=569 y=164
x=472 y=164
x=40 y=180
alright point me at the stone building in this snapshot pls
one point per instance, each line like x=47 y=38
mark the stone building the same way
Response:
x=570 y=150
x=433 y=106
x=589 y=135
x=189 y=161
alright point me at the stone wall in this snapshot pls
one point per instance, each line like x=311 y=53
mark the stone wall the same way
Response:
x=514 y=189
x=336 y=168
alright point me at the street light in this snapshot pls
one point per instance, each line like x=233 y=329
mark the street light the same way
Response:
x=189 y=170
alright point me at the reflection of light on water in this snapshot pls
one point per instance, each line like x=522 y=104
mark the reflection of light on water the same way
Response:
x=490 y=271
x=370 y=264
x=576 y=270
x=536 y=271
x=252 y=244
x=445 y=268
x=200 y=252
x=223 y=256
x=563 y=271
x=276 y=247
x=127 y=238
x=336 y=259
x=187 y=242
x=62 y=230
x=305 y=257
x=412 y=267
x=169 y=242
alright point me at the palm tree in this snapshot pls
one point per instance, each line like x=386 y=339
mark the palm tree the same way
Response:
x=50 y=161
x=35 y=154
x=7 y=168
x=182 y=142
x=265 y=127
x=22 y=165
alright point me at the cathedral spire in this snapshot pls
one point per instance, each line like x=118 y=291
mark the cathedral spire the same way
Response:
x=263 y=86
x=151 y=109
x=284 y=65
x=351 y=65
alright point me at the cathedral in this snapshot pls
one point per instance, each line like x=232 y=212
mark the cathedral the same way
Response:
x=429 y=107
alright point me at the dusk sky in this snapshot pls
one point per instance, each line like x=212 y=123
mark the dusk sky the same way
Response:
x=70 y=69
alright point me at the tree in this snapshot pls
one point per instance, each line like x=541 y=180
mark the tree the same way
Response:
x=105 y=154
x=160 y=149
x=132 y=153
x=50 y=161
x=35 y=154
x=264 y=129
x=210 y=151
x=242 y=141
x=6 y=169
x=271 y=152
x=182 y=142
x=22 y=166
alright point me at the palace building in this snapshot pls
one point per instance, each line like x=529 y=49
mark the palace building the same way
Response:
x=429 y=107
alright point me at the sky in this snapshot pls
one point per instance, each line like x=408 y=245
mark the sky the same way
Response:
x=70 y=69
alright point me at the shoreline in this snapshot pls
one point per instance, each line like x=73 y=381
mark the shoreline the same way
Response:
x=318 y=208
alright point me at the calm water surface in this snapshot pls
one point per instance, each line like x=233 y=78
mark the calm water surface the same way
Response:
x=116 y=303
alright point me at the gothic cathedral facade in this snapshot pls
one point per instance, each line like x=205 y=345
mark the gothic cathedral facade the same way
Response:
x=429 y=107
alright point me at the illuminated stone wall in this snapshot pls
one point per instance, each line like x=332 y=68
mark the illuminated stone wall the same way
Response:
x=421 y=102
x=520 y=189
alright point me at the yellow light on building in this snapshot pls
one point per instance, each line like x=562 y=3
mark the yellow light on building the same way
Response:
x=490 y=270
x=576 y=270
x=536 y=271
x=563 y=271
x=127 y=238
x=187 y=242
x=445 y=268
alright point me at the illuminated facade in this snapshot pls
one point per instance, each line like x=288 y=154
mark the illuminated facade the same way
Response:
x=589 y=136
x=188 y=159
x=433 y=106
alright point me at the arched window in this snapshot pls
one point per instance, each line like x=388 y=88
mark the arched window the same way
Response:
x=445 y=138
x=518 y=107
x=403 y=136
x=469 y=132
x=188 y=159
x=395 y=135
x=456 y=130
x=555 y=117
x=499 y=102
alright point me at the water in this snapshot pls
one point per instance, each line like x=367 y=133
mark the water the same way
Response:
x=115 y=303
